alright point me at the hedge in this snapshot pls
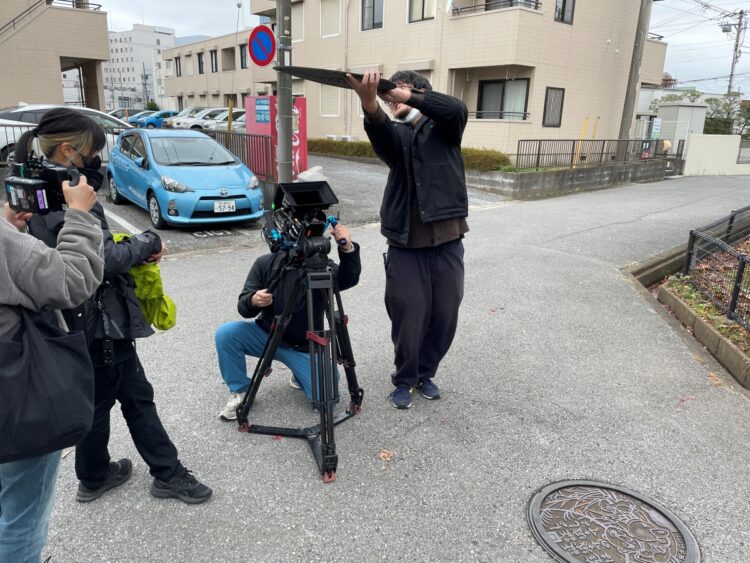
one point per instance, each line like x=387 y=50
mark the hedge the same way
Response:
x=482 y=160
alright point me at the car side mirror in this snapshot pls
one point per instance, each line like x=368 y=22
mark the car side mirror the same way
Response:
x=140 y=162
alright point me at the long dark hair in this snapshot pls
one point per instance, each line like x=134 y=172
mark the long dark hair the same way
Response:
x=62 y=125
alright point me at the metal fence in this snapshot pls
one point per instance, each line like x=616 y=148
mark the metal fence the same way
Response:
x=495 y=5
x=9 y=135
x=255 y=151
x=546 y=153
x=718 y=269
x=744 y=155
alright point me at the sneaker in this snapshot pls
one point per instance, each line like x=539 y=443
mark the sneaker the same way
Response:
x=182 y=486
x=429 y=390
x=229 y=412
x=117 y=473
x=401 y=397
x=294 y=383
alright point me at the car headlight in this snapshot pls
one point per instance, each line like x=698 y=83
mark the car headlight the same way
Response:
x=253 y=184
x=172 y=185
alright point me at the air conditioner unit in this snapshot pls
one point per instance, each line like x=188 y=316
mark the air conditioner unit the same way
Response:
x=333 y=137
x=348 y=138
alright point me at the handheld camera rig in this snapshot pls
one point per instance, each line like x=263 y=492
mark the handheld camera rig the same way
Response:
x=35 y=186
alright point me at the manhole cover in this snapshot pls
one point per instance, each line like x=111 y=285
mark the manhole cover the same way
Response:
x=590 y=522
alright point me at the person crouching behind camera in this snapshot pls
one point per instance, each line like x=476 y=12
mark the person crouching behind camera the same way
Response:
x=238 y=339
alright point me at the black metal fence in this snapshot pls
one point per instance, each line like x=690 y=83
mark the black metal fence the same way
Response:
x=255 y=151
x=546 y=153
x=718 y=268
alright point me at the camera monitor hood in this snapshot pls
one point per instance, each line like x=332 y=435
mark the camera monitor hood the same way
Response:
x=304 y=196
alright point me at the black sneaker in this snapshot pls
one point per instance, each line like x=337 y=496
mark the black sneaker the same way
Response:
x=401 y=397
x=429 y=390
x=182 y=486
x=117 y=473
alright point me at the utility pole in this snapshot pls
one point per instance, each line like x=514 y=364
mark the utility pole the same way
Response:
x=737 y=46
x=284 y=88
x=641 y=34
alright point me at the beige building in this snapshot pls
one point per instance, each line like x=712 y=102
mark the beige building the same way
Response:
x=41 y=39
x=526 y=69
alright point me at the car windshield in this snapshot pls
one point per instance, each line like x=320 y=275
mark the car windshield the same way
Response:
x=190 y=151
x=196 y=112
x=184 y=112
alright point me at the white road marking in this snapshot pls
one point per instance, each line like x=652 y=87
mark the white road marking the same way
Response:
x=122 y=222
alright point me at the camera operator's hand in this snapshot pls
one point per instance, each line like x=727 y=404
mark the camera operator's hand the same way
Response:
x=156 y=258
x=19 y=219
x=367 y=89
x=81 y=197
x=340 y=232
x=261 y=298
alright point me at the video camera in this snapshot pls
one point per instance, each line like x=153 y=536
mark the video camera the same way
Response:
x=36 y=186
x=296 y=223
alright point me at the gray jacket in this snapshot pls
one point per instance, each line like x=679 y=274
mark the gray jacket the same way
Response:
x=33 y=275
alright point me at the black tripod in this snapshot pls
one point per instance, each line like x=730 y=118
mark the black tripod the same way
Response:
x=328 y=347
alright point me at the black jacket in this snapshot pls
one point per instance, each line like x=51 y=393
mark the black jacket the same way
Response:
x=117 y=292
x=264 y=270
x=425 y=159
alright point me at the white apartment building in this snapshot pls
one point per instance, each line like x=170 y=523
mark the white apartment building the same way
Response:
x=129 y=79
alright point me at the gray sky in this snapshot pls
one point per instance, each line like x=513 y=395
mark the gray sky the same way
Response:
x=697 y=47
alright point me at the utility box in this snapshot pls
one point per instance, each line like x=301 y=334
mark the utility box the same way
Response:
x=261 y=118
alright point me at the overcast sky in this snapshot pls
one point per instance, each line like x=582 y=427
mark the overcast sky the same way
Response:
x=697 y=47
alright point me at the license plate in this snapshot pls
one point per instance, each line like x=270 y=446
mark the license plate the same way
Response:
x=224 y=206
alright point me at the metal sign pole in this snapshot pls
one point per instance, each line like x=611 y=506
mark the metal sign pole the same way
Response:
x=284 y=88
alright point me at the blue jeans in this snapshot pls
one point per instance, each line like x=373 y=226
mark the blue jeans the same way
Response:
x=238 y=339
x=27 y=490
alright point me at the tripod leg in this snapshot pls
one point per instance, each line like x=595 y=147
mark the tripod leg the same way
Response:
x=346 y=356
x=263 y=366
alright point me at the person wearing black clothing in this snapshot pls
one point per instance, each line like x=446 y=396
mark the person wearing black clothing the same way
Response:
x=113 y=320
x=423 y=216
x=238 y=339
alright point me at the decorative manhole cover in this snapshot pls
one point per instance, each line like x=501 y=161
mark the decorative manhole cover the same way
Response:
x=590 y=522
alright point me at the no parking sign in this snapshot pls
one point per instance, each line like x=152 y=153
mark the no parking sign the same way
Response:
x=262 y=45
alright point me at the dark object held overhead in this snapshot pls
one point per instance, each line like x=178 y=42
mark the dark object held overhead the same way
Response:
x=330 y=77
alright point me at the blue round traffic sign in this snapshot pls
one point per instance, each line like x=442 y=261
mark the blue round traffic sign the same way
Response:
x=262 y=45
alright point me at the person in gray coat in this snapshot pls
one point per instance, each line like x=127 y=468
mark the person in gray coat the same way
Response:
x=34 y=276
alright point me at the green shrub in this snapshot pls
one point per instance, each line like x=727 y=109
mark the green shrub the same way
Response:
x=152 y=105
x=474 y=159
x=508 y=168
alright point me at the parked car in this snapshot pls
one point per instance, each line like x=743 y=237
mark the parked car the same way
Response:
x=220 y=121
x=124 y=113
x=184 y=114
x=200 y=119
x=182 y=178
x=31 y=114
x=156 y=120
x=239 y=125
x=133 y=120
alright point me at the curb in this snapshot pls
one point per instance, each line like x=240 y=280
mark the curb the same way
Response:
x=728 y=355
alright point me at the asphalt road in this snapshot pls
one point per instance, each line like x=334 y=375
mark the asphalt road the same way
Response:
x=561 y=369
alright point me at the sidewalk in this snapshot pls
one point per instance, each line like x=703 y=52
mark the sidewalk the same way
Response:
x=561 y=369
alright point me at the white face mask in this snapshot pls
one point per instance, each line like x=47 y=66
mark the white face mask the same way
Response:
x=410 y=117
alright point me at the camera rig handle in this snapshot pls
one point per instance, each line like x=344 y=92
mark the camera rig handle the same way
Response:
x=75 y=177
x=333 y=221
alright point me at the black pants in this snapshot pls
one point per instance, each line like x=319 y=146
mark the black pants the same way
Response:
x=125 y=382
x=423 y=291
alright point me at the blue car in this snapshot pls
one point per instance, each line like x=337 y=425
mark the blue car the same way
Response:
x=182 y=177
x=156 y=120
x=133 y=119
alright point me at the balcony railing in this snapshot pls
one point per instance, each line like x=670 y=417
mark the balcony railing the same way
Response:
x=496 y=114
x=79 y=4
x=496 y=5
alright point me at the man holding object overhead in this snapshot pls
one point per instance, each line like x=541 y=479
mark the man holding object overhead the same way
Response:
x=423 y=216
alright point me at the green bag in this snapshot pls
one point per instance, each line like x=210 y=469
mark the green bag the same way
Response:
x=157 y=306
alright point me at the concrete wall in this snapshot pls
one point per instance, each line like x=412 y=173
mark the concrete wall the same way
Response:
x=712 y=155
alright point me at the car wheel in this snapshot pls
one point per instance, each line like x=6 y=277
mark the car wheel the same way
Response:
x=150 y=126
x=196 y=127
x=7 y=154
x=154 y=213
x=112 y=193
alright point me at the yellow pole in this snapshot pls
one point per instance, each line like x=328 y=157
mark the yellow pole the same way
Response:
x=584 y=128
x=229 y=117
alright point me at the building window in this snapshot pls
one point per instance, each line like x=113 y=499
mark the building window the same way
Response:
x=243 y=55
x=553 y=107
x=503 y=99
x=420 y=10
x=201 y=69
x=372 y=14
x=179 y=103
x=158 y=41
x=329 y=101
x=214 y=61
x=564 y=10
x=330 y=18
x=177 y=67
x=298 y=21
